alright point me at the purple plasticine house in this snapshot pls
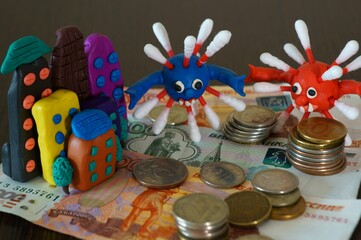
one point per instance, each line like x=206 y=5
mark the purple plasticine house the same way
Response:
x=105 y=76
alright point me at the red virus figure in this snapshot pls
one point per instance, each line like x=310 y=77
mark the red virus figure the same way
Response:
x=314 y=86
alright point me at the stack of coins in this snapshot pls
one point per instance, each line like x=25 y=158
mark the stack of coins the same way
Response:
x=201 y=216
x=281 y=187
x=316 y=146
x=253 y=125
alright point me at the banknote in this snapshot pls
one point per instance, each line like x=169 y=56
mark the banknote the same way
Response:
x=216 y=147
x=120 y=208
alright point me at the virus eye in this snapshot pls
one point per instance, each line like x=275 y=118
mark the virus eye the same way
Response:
x=197 y=84
x=296 y=88
x=311 y=92
x=178 y=86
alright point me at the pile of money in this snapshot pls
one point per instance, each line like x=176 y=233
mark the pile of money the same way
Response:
x=201 y=216
x=316 y=146
x=281 y=187
x=222 y=174
x=253 y=125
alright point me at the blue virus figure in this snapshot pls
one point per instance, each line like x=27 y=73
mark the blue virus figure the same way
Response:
x=186 y=77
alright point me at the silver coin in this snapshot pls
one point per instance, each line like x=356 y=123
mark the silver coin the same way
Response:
x=296 y=162
x=199 y=210
x=245 y=133
x=201 y=234
x=283 y=200
x=231 y=137
x=319 y=157
x=222 y=174
x=323 y=172
x=275 y=181
x=255 y=116
x=183 y=224
x=239 y=126
x=223 y=236
x=161 y=173
x=312 y=164
x=314 y=158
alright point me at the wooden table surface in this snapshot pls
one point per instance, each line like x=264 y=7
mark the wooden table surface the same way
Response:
x=257 y=26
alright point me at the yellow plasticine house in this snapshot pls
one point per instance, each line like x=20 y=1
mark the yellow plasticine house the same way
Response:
x=53 y=116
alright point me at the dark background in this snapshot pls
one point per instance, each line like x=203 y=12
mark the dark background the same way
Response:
x=257 y=26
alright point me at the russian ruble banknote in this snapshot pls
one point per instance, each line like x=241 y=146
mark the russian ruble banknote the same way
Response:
x=122 y=209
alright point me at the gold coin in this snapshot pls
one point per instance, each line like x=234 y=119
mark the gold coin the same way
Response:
x=177 y=114
x=255 y=116
x=298 y=141
x=321 y=130
x=248 y=208
x=289 y=212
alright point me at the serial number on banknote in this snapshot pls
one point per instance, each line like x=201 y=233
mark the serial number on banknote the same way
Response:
x=6 y=194
x=325 y=218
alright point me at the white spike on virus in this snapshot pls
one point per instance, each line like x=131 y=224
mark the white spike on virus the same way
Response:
x=302 y=33
x=153 y=52
x=189 y=43
x=273 y=61
x=220 y=40
x=143 y=110
x=332 y=73
x=354 y=65
x=293 y=53
x=204 y=31
x=349 y=111
x=194 y=129
x=237 y=104
x=212 y=118
x=265 y=87
x=348 y=140
x=348 y=51
x=161 y=121
x=161 y=33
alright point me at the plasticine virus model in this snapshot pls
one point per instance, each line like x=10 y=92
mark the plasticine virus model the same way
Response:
x=314 y=86
x=185 y=78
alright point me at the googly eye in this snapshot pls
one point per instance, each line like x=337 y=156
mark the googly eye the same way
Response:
x=178 y=86
x=197 y=84
x=311 y=92
x=296 y=88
